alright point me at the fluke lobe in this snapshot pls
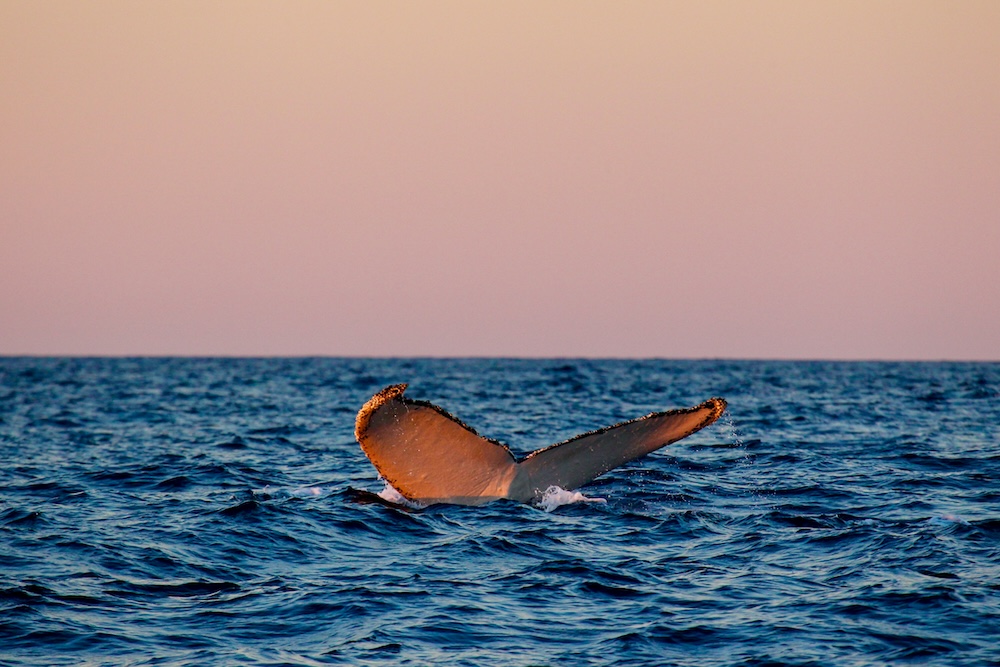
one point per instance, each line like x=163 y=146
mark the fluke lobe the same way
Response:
x=430 y=457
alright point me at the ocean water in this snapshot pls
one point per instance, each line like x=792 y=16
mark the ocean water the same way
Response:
x=183 y=511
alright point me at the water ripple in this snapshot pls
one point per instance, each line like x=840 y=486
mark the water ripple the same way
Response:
x=217 y=511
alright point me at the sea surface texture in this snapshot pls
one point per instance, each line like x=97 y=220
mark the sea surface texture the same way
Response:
x=219 y=512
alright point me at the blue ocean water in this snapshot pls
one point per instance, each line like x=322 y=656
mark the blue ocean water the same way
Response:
x=180 y=511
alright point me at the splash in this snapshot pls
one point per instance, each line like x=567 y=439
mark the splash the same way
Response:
x=555 y=496
x=391 y=495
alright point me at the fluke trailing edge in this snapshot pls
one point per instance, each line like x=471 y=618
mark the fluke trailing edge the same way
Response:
x=431 y=457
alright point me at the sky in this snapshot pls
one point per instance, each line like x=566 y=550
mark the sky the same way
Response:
x=760 y=179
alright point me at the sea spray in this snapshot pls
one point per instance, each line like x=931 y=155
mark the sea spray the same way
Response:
x=555 y=496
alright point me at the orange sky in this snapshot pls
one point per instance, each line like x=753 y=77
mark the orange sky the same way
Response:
x=697 y=179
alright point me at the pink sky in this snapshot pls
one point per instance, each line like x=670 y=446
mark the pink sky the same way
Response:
x=690 y=179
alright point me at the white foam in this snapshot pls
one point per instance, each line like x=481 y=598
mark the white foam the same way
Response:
x=308 y=492
x=300 y=492
x=553 y=497
x=556 y=496
x=390 y=494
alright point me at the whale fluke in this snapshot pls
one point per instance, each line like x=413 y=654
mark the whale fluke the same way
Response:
x=430 y=457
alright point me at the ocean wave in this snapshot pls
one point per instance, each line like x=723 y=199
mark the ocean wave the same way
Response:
x=211 y=511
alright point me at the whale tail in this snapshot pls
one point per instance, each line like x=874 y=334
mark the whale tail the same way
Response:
x=429 y=456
